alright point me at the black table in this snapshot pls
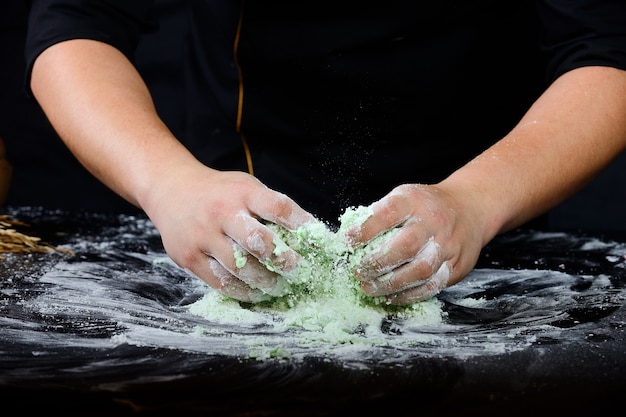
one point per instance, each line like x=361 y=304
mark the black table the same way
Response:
x=106 y=330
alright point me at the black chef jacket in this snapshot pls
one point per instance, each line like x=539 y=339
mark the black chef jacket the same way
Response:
x=338 y=102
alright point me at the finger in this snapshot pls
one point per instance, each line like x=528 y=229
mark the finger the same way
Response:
x=216 y=276
x=414 y=273
x=408 y=244
x=263 y=244
x=439 y=281
x=278 y=208
x=240 y=264
x=368 y=222
x=249 y=270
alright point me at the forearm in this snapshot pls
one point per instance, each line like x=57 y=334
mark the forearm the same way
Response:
x=102 y=110
x=566 y=138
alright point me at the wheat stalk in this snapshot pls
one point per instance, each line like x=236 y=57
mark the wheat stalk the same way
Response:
x=12 y=241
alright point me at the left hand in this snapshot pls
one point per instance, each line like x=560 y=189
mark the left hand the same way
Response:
x=437 y=244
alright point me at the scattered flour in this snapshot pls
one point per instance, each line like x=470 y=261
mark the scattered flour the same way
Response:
x=321 y=299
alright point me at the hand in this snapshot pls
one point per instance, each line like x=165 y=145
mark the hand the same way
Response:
x=437 y=242
x=211 y=223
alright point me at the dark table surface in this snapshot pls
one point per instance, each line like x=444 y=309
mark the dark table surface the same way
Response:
x=107 y=330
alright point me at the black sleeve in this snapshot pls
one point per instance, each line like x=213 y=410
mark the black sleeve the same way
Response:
x=119 y=23
x=581 y=33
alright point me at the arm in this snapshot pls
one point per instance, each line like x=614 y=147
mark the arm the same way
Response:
x=98 y=104
x=567 y=137
x=575 y=129
x=101 y=108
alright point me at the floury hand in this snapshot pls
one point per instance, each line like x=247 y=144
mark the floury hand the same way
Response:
x=218 y=231
x=427 y=245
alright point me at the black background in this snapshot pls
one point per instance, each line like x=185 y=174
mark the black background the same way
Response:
x=46 y=174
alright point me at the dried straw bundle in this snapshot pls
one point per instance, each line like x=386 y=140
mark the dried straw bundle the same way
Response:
x=12 y=241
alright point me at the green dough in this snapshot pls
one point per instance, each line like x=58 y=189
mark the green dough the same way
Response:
x=322 y=299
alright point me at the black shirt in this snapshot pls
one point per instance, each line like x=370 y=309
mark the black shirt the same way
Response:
x=343 y=100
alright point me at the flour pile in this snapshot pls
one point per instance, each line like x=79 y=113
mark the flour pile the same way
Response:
x=322 y=300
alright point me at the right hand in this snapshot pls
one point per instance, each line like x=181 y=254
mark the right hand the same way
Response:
x=209 y=220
